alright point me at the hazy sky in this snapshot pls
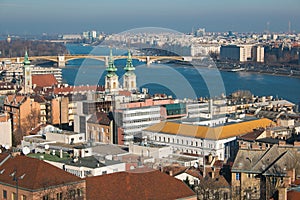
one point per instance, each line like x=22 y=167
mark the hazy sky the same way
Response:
x=75 y=16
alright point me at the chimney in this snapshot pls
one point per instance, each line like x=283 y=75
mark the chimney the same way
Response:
x=282 y=193
x=292 y=174
x=282 y=143
x=61 y=153
x=171 y=172
x=210 y=158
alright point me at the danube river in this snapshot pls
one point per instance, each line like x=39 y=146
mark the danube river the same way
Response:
x=178 y=80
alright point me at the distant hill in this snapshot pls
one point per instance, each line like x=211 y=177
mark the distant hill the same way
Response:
x=17 y=48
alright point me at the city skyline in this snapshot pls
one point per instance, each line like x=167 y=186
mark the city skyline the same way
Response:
x=35 y=17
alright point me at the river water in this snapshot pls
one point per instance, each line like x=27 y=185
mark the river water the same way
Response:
x=179 y=80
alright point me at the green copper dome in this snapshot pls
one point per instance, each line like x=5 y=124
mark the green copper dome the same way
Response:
x=129 y=66
x=26 y=59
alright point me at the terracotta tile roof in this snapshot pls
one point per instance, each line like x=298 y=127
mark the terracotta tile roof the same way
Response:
x=75 y=89
x=125 y=93
x=174 y=170
x=44 y=80
x=38 y=174
x=214 y=133
x=15 y=99
x=293 y=195
x=37 y=129
x=100 y=118
x=253 y=135
x=195 y=173
x=4 y=118
x=124 y=185
x=218 y=182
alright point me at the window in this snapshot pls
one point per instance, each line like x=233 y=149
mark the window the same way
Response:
x=104 y=172
x=72 y=194
x=237 y=190
x=79 y=192
x=206 y=195
x=4 y=194
x=23 y=197
x=217 y=195
x=225 y=195
x=237 y=176
x=13 y=196
x=46 y=197
x=59 y=196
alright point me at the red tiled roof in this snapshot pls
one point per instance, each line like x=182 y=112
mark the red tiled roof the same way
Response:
x=100 y=118
x=174 y=170
x=37 y=129
x=293 y=195
x=44 y=80
x=74 y=89
x=4 y=118
x=38 y=174
x=15 y=99
x=125 y=93
x=125 y=185
x=253 y=135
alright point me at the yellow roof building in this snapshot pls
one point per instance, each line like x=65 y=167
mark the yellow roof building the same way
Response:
x=213 y=133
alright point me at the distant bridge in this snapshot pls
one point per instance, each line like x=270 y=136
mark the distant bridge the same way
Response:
x=61 y=60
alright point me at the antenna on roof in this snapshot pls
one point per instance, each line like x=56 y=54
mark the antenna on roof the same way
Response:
x=25 y=150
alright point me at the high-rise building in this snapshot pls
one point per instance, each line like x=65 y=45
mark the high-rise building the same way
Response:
x=258 y=54
x=242 y=53
x=93 y=34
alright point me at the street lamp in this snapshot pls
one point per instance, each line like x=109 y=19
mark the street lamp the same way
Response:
x=16 y=179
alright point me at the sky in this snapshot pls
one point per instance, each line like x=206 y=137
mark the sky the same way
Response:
x=114 y=16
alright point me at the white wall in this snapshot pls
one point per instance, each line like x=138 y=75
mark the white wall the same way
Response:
x=65 y=138
x=5 y=133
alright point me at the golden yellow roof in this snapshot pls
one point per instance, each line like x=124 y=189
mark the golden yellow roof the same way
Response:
x=214 y=133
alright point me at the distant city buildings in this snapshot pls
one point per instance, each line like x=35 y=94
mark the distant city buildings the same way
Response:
x=242 y=53
x=235 y=147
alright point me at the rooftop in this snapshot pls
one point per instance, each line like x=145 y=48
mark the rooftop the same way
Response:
x=44 y=80
x=214 y=133
x=36 y=174
x=136 y=185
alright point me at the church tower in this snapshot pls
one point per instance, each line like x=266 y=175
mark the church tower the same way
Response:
x=129 y=78
x=27 y=84
x=111 y=78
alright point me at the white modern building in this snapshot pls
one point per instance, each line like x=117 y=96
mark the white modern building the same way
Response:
x=242 y=52
x=133 y=120
x=12 y=72
x=89 y=166
x=202 y=140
